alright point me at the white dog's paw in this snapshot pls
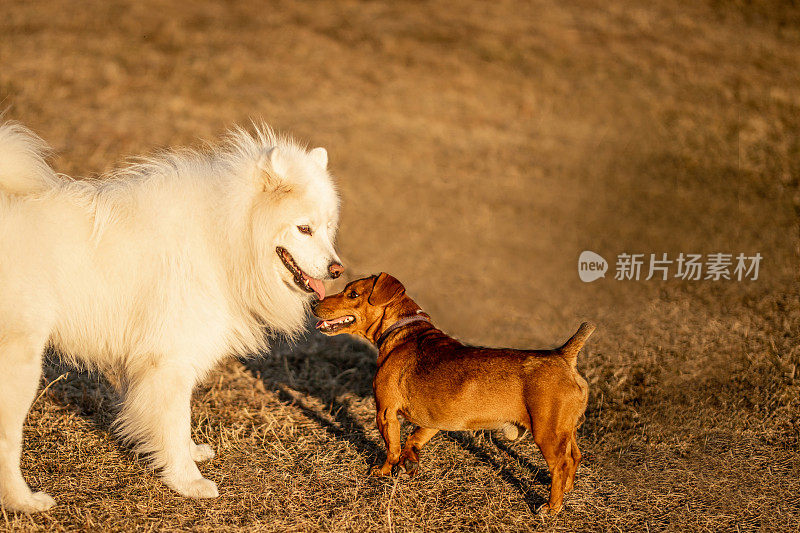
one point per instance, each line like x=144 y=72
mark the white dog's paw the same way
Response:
x=202 y=488
x=33 y=502
x=202 y=452
x=196 y=488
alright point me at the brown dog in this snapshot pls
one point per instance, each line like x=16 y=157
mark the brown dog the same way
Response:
x=438 y=383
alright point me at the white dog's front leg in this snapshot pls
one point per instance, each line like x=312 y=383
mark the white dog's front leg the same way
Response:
x=21 y=363
x=156 y=415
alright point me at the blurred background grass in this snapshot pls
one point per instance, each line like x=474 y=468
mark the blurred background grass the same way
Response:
x=479 y=148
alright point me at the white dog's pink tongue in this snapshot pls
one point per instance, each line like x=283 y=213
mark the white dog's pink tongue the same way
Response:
x=317 y=286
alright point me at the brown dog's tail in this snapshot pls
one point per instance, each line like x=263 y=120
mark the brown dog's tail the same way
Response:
x=573 y=346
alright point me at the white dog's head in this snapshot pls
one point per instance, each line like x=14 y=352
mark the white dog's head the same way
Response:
x=297 y=213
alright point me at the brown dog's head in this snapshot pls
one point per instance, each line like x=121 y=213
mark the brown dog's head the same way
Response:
x=361 y=307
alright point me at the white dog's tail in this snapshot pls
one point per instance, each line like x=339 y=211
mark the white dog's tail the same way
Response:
x=23 y=168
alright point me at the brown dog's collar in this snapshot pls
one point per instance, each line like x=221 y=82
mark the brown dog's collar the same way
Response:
x=401 y=323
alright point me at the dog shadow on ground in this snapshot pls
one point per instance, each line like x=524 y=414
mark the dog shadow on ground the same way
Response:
x=483 y=452
x=323 y=377
x=83 y=393
x=79 y=395
x=329 y=379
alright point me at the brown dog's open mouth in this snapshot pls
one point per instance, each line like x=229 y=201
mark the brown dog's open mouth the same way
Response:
x=301 y=279
x=329 y=326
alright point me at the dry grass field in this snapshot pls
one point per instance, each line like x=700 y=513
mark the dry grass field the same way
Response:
x=479 y=147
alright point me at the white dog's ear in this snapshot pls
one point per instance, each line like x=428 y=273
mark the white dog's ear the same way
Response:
x=273 y=168
x=319 y=156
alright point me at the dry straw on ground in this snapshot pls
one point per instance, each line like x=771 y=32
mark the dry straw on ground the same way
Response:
x=480 y=146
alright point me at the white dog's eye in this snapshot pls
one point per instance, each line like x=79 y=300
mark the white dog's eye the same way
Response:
x=305 y=230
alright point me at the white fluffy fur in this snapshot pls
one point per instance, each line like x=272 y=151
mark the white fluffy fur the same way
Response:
x=152 y=274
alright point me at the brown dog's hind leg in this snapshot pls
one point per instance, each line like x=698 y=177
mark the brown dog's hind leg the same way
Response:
x=575 y=456
x=409 y=459
x=389 y=426
x=554 y=450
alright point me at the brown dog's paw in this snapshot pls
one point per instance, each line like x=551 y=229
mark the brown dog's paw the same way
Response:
x=546 y=511
x=381 y=470
x=409 y=462
x=410 y=467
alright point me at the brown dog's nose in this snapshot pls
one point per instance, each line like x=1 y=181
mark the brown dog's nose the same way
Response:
x=335 y=269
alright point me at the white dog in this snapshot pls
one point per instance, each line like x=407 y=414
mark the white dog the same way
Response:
x=154 y=274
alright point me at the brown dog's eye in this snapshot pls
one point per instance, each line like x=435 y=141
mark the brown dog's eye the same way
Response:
x=305 y=230
x=352 y=294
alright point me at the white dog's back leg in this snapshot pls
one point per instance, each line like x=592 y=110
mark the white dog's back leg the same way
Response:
x=156 y=415
x=201 y=452
x=21 y=363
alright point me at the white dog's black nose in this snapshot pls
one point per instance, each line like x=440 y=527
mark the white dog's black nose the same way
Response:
x=335 y=269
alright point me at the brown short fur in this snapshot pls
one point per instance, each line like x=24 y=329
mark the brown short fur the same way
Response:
x=438 y=383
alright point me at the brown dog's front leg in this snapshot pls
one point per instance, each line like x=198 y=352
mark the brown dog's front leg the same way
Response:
x=409 y=459
x=389 y=426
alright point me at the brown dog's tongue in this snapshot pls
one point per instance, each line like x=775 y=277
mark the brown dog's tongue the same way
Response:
x=318 y=287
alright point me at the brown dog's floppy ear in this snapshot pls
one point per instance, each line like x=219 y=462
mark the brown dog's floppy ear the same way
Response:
x=385 y=290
